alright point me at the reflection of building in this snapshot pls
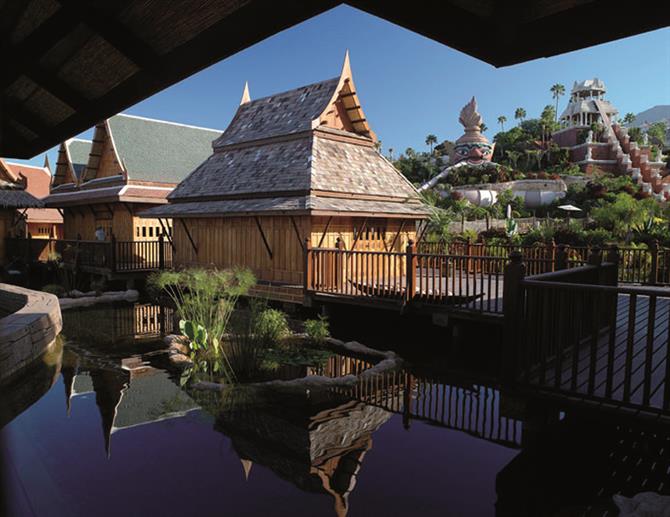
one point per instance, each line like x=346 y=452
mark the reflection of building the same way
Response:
x=317 y=445
x=128 y=393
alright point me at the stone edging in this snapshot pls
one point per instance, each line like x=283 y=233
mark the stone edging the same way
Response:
x=387 y=361
x=32 y=326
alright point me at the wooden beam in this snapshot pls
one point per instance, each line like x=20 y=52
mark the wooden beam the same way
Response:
x=265 y=241
x=365 y=224
x=397 y=235
x=109 y=209
x=128 y=207
x=325 y=231
x=57 y=87
x=167 y=234
x=114 y=32
x=297 y=233
x=188 y=234
x=356 y=121
x=24 y=117
x=61 y=212
x=423 y=232
x=350 y=94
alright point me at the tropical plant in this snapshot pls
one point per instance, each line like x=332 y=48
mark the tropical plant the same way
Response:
x=557 y=90
x=431 y=140
x=520 y=114
x=317 y=330
x=501 y=120
x=629 y=118
x=196 y=333
x=205 y=297
x=270 y=326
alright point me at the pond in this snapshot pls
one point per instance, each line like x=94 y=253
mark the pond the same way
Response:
x=101 y=425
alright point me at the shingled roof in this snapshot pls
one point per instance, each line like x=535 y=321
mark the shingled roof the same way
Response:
x=157 y=150
x=307 y=149
x=78 y=150
x=281 y=114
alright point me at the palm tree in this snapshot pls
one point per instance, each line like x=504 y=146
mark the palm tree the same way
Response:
x=629 y=118
x=520 y=114
x=431 y=140
x=483 y=127
x=557 y=91
x=390 y=153
x=501 y=120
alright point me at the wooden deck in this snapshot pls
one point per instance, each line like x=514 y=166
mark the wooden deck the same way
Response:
x=631 y=362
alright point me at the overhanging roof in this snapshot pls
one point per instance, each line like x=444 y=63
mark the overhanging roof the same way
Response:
x=67 y=64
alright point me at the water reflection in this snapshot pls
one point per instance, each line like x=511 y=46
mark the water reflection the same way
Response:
x=406 y=442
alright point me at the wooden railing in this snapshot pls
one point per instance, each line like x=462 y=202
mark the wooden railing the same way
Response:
x=578 y=332
x=114 y=255
x=473 y=283
x=649 y=266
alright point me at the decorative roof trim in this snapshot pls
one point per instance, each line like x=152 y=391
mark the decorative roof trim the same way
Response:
x=168 y=122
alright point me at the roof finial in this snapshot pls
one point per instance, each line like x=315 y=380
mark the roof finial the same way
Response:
x=245 y=94
x=46 y=165
x=346 y=66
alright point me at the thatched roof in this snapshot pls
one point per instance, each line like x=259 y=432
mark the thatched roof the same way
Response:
x=68 y=65
x=14 y=196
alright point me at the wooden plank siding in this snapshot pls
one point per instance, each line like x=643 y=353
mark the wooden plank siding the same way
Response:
x=82 y=221
x=237 y=241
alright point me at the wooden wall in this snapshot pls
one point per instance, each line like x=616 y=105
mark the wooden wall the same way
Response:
x=377 y=233
x=237 y=241
x=114 y=218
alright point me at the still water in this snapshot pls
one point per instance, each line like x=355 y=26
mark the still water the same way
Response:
x=101 y=426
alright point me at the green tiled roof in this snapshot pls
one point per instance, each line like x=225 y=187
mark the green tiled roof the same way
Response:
x=155 y=150
x=79 y=150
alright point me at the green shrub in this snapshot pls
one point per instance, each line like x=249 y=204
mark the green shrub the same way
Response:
x=56 y=289
x=270 y=326
x=317 y=330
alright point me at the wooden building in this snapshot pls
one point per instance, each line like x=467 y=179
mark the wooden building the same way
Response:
x=131 y=164
x=295 y=166
x=14 y=201
x=39 y=223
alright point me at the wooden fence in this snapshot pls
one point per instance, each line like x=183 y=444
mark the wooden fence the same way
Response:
x=650 y=266
x=114 y=256
x=577 y=332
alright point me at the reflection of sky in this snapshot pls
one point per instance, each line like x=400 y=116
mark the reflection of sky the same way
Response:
x=183 y=467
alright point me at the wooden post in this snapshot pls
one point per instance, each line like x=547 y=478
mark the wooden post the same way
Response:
x=112 y=261
x=513 y=293
x=307 y=266
x=339 y=255
x=551 y=248
x=28 y=247
x=161 y=252
x=561 y=257
x=410 y=265
x=613 y=261
x=653 y=271
x=468 y=252
x=595 y=257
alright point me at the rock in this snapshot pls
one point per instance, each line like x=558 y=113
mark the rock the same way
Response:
x=180 y=360
x=131 y=295
x=177 y=343
x=644 y=504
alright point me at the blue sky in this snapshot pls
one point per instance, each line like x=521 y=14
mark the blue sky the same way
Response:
x=409 y=85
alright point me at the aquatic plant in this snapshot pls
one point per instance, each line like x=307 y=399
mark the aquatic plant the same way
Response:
x=197 y=334
x=205 y=297
x=317 y=330
x=270 y=326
